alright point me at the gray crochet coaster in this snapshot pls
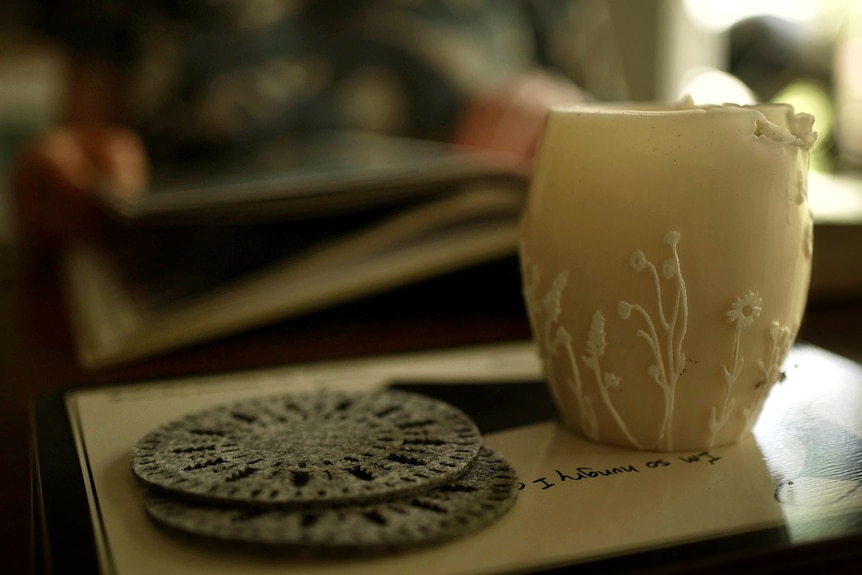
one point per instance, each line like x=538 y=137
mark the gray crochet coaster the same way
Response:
x=476 y=499
x=309 y=449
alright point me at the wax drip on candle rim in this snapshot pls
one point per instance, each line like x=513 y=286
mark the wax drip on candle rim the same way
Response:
x=766 y=129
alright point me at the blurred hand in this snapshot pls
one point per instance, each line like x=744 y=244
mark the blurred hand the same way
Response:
x=54 y=178
x=509 y=118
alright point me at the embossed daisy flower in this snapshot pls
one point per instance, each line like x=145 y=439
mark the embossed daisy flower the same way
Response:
x=745 y=310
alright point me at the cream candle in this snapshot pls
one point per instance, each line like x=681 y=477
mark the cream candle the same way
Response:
x=666 y=256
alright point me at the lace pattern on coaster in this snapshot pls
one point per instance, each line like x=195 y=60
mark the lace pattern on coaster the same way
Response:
x=309 y=449
x=480 y=496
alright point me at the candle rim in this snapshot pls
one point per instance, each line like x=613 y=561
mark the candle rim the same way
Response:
x=635 y=107
x=796 y=126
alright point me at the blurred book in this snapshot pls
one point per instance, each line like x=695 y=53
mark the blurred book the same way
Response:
x=232 y=243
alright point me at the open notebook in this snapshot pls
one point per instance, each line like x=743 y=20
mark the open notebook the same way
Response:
x=216 y=248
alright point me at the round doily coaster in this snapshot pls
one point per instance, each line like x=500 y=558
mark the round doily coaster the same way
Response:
x=476 y=499
x=309 y=449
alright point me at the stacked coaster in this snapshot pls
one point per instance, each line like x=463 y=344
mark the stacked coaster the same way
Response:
x=324 y=473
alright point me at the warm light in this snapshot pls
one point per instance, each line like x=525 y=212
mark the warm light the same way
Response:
x=710 y=86
x=718 y=16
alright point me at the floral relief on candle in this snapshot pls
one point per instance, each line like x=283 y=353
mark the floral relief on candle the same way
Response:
x=663 y=314
x=664 y=335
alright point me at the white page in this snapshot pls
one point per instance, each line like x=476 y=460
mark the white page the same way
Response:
x=624 y=501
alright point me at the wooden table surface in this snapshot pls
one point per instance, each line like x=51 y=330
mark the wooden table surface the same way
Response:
x=484 y=305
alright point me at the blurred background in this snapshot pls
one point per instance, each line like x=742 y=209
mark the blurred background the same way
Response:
x=804 y=52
